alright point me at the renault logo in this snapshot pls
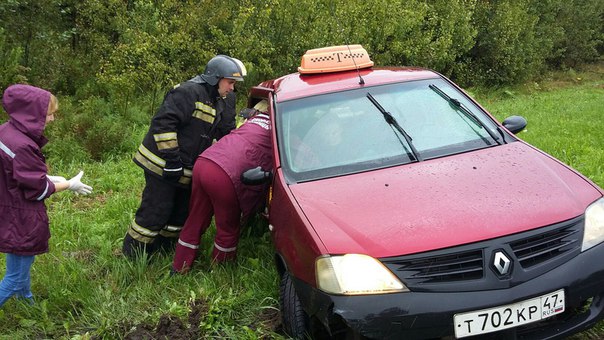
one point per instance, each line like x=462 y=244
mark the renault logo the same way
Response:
x=501 y=263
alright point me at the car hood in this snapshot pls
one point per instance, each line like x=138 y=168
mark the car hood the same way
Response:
x=443 y=202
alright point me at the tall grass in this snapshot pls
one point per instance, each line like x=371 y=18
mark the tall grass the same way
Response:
x=84 y=288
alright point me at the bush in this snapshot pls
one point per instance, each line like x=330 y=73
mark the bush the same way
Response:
x=121 y=50
x=505 y=50
x=94 y=130
x=11 y=71
x=581 y=22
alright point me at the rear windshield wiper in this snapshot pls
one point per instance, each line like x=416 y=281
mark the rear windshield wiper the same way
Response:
x=392 y=121
x=457 y=105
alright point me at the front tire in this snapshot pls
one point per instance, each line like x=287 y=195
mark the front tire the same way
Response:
x=295 y=320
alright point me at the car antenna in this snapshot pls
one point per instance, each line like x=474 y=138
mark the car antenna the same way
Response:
x=361 y=81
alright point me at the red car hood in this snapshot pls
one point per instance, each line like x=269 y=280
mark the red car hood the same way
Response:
x=443 y=202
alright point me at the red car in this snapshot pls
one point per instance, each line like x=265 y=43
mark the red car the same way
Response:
x=401 y=209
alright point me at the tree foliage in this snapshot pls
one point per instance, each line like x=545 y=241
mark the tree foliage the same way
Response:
x=133 y=47
x=128 y=52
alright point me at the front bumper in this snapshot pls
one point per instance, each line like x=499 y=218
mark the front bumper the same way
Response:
x=422 y=315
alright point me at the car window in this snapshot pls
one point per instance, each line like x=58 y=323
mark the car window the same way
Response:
x=344 y=132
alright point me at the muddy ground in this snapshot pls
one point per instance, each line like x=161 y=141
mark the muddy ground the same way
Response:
x=169 y=327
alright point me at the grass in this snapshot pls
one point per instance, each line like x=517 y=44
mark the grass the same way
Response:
x=85 y=289
x=564 y=118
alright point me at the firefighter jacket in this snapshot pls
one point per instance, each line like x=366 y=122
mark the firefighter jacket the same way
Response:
x=191 y=116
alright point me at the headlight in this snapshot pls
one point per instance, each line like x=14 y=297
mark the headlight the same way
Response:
x=594 y=225
x=355 y=274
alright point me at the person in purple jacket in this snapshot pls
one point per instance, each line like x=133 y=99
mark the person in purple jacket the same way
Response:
x=24 y=184
x=217 y=189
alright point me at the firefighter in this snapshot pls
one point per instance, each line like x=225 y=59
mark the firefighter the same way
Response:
x=192 y=115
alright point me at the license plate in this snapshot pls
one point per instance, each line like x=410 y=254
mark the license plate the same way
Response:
x=508 y=316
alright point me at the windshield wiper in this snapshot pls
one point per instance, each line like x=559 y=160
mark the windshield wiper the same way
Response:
x=457 y=105
x=392 y=121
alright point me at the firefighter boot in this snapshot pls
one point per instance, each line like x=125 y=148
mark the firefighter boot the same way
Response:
x=133 y=249
x=165 y=244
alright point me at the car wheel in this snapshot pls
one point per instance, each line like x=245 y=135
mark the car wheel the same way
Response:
x=295 y=320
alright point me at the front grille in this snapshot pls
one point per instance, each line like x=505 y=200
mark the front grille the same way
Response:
x=447 y=268
x=468 y=267
x=537 y=249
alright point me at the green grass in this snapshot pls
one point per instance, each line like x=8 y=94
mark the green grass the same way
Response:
x=85 y=289
x=564 y=121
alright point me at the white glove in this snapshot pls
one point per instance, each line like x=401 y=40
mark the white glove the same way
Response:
x=76 y=185
x=56 y=179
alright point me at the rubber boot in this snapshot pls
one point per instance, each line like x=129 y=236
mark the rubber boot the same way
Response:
x=165 y=244
x=132 y=248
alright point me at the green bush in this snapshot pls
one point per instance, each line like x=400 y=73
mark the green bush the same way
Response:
x=115 y=59
x=581 y=22
x=93 y=130
x=11 y=70
x=505 y=50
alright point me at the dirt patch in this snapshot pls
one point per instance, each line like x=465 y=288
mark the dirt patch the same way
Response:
x=268 y=318
x=173 y=328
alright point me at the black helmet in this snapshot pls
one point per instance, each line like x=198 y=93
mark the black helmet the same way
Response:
x=222 y=66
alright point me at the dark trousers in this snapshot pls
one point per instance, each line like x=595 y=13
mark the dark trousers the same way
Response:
x=162 y=213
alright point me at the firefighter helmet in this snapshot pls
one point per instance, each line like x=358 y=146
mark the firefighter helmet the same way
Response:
x=222 y=66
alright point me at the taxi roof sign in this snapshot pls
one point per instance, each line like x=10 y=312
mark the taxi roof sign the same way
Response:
x=334 y=59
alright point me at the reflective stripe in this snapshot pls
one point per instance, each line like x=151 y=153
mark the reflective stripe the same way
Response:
x=7 y=150
x=140 y=237
x=205 y=108
x=148 y=164
x=224 y=250
x=173 y=170
x=171 y=144
x=170 y=231
x=166 y=140
x=151 y=156
x=184 y=179
x=165 y=136
x=141 y=234
x=203 y=116
x=204 y=112
x=188 y=245
x=172 y=227
x=44 y=193
x=142 y=230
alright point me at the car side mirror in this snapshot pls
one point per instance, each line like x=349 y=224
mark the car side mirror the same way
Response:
x=256 y=176
x=515 y=124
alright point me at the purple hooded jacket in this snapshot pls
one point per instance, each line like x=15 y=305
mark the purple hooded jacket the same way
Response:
x=24 y=226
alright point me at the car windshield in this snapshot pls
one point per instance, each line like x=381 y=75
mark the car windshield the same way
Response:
x=374 y=127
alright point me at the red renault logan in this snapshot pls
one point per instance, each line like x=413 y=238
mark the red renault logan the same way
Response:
x=401 y=209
